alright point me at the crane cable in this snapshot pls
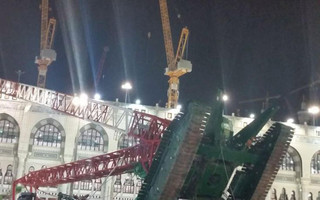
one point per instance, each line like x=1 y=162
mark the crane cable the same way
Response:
x=106 y=179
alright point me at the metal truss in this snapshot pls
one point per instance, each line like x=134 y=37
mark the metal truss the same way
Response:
x=145 y=128
x=111 y=116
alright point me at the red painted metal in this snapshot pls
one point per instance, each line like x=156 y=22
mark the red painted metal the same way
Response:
x=146 y=129
x=104 y=113
x=95 y=167
x=149 y=133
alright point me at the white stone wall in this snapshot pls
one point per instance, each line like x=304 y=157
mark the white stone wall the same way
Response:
x=306 y=142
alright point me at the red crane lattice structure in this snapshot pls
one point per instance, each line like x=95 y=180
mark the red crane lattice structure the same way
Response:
x=145 y=128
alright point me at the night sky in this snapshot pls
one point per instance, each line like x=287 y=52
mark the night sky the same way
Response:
x=248 y=48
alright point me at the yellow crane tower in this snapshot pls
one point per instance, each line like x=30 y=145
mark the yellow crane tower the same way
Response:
x=176 y=65
x=47 y=55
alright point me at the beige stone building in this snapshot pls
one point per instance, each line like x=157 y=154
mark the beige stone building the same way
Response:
x=33 y=137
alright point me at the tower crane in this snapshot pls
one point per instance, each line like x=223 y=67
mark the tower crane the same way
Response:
x=176 y=65
x=174 y=166
x=47 y=55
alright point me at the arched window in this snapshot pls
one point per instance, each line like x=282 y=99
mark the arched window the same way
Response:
x=91 y=139
x=128 y=185
x=138 y=185
x=1 y=176
x=86 y=185
x=283 y=195
x=8 y=175
x=126 y=141
x=315 y=163
x=287 y=163
x=310 y=196
x=274 y=194
x=8 y=131
x=48 y=135
x=31 y=169
x=293 y=195
x=97 y=184
x=43 y=167
x=117 y=184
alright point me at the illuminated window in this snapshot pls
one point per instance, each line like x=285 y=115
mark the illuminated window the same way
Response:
x=315 y=163
x=91 y=139
x=1 y=176
x=117 y=184
x=142 y=110
x=169 y=115
x=97 y=184
x=48 y=135
x=86 y=185
x=138 y=185
x=287 y=163
x=128 y=186
x=126 y=141
x=8 y=175
x=8 y=133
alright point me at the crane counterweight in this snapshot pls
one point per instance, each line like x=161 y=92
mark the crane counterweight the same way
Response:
x=47 y=54
x=176 y=66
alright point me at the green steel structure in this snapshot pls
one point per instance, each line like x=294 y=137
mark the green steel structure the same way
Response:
x=198 y=158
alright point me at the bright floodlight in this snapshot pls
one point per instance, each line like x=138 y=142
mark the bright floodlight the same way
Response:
x=76 y=101
x=179 y=107
x=225 y=97
x=251 y=115
x=8 y=85
x=83 y=99
x=97 y=96
x=313 y=110
x=138 y=101
x=290 y=120
x=126 y=86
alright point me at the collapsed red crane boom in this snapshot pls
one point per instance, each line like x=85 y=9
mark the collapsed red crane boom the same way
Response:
x=145 y=128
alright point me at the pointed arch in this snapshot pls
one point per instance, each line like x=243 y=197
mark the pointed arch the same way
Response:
x=297 y=161
x=48 y=132
x=9 y=129
x=92 y=137
x=315 y=163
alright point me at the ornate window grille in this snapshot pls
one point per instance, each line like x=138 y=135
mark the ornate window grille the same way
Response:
x=128 y=186
x=86 y=185
x=138 y=185
x=117 y=184
x=8 y=133
x=48 y=135
x=287 y=163
x=97 y=184
x=91 y=139
x=126 y=141
x=315 y=163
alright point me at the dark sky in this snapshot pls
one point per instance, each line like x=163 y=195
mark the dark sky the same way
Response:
x=249 y=48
